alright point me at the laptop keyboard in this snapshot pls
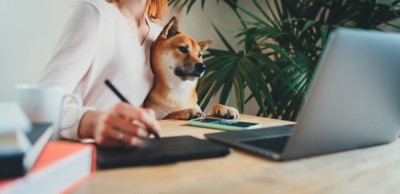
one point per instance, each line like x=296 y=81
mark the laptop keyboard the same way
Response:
x=274 y=144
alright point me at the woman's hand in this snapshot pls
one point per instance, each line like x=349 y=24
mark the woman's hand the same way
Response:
x=122 y=125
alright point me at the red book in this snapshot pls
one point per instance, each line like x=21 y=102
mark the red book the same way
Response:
x=60 y=166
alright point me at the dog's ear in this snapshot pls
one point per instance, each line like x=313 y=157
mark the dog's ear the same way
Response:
x=171 y=29
x=205 y=44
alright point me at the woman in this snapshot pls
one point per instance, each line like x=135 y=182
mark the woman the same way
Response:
x=108 y=40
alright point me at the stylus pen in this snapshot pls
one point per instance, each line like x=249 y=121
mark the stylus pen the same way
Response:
x=123 y=99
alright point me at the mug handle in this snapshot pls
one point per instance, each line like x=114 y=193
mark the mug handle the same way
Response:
x=78 y=101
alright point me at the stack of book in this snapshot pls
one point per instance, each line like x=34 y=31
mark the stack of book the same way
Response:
x=20 y=141
x=29 y=163
x=61 y=165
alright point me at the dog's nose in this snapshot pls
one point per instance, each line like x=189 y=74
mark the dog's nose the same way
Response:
x=200 y=67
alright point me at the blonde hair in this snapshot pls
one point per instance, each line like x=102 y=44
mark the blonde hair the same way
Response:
x=155 y=9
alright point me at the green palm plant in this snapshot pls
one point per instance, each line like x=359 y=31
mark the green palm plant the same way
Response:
x=280 y=48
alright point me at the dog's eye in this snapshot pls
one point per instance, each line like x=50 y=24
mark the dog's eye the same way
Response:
x=183 y=49
x=199 y=55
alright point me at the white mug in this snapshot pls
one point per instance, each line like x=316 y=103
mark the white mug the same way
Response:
x=45 y=104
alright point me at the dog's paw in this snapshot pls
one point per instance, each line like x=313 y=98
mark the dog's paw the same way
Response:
x=186 y=114
x=195 y=115
x=226 y=112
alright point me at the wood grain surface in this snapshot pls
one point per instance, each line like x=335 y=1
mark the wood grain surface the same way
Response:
x=369 y=170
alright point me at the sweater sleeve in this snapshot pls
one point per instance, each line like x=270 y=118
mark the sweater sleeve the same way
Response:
x=72 y=59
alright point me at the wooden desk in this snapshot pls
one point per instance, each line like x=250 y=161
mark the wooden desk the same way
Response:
x=372 y=170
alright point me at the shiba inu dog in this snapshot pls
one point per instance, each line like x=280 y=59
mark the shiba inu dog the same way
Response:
x=176 y=61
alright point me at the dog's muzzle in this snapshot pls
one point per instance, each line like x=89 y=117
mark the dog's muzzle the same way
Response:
x=195 y=71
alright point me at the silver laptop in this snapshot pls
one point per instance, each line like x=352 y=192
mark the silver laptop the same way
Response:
x=353 y=101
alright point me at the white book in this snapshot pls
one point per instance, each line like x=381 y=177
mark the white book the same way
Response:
x=14 y=125
x=20 y=142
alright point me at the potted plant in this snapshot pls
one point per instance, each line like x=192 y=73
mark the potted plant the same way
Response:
x=281 y=46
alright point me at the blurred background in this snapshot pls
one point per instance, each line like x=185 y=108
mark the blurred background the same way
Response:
x=259 y=37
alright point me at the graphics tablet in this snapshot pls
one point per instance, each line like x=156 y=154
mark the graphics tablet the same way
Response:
x=165 y=150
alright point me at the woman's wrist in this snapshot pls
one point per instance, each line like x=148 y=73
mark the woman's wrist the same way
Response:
x=88 y=124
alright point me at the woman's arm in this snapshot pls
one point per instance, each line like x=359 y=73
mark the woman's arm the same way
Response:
x=72 y=59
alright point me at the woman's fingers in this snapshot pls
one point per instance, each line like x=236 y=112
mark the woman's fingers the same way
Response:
x=145 y=116
x=124 y=125
x=127 y=127
x=110 y=136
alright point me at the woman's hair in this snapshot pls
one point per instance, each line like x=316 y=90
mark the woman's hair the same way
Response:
x=155 y=9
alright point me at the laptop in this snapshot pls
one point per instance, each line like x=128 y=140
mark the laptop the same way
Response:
x=353 y=101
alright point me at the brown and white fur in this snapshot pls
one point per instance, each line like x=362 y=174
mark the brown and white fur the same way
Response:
x=176 y=61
